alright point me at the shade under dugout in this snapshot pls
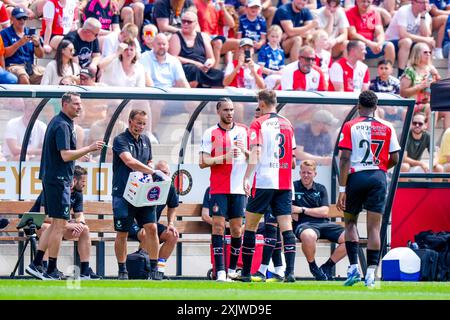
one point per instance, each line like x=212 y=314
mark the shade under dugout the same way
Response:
x=440 y=95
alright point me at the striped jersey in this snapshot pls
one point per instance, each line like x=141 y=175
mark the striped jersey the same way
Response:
x=275 y=135
x=370 y=140
x=226 y=178
x=352 y=79
x=294 y=79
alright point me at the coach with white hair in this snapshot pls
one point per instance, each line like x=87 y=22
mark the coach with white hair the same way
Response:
x=85 y=42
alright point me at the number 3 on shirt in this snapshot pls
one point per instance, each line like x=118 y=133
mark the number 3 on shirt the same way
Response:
x=280 y=140
x=378 y=144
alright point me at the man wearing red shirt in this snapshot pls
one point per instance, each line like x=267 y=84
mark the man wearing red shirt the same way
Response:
x=366 y=26
x=303 y=75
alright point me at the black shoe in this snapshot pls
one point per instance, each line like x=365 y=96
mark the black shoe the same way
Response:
x=90 y=275
x=123 y=275
x=55 y=275
x=258 y=277
x=36 y=272
x=289 y=277
x=318 y=274
x=244 y=278
x=156 y=275
x=275 y=278
x=328 y=271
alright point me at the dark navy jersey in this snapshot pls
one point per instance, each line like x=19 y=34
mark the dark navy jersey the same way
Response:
x=285 y=12
x=315 y=197
x=271 y=58
x=140 y=149
x=252 y=29
x=60 y=135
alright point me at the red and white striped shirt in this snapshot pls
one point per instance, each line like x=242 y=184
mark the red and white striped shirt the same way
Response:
x=371 y=140
x=275 y=135
x=226 y=178
x=293 y=79
x=63 y=17
x=352 y=79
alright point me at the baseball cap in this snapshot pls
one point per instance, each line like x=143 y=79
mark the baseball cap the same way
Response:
x=326 y=117
x=19 y=12
x=246 y=42
x=253 y=3
x=87 y=72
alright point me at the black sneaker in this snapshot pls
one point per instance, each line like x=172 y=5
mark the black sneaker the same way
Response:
x=36 y=272
x=55 y=275
x=328 y=271
x=289 y=277
x=156 y=275
x=258 y=277
x=123 y=275
x=90 y=275
x=244 y=278
x=275 y=278
x=318 y=274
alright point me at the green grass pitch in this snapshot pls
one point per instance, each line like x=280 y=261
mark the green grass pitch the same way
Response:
x=211 y=290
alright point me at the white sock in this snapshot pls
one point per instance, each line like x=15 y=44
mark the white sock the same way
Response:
x=161 y=266
x=263 y=268
x=231 y=271
x=279 y=270
x=371 y=272
x=352 y=268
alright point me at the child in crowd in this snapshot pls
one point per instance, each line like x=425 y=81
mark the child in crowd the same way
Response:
x=385 y=81
x=252 y=25
x=319 y=41
x=149 y=32
x=271 y=58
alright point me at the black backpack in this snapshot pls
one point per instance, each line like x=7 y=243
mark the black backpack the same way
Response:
x=138 y=265
x=437 y=241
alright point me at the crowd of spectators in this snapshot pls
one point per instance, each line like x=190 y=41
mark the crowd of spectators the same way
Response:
x=319 y=45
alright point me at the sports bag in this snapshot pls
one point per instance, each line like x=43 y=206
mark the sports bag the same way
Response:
x=138 y=265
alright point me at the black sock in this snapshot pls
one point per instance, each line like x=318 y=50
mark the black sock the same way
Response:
x=217 y=243
x=153 y=264
x=330 y=263
x=276 y=255
x=400 y=72
x=51 y=265
x=84 y=267
x=352 y=251
x=313 y=265
x=235 y=250
x=45 y=263
x=372 y=257
x=122 y=267
x=248 y=249
x=270 y=241
x=38 y=258
x=289 y=250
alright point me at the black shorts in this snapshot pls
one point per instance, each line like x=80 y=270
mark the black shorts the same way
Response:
x=279 y=201
x=135 y=228
x=57 y=199
x=125 y=213
x=324 y=230
x=366 y=189
x=229 y=206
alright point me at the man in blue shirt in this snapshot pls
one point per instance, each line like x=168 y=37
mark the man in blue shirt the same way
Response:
x=297 y=23
x=21 y=45
x=59 y=153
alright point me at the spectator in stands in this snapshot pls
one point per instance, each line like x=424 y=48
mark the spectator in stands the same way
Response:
x=311 y=222
x=105 y=11
x=85 y=42
x=252 y=25
x=350 y=74
x=303 y=74
x=63 y=65
x=320 y=43
x=60 y=17
x=69 y=81
x=5 y=76
x=15 y=131
x=439 y=15
x=111 y=41
x=212 y=21
x=243 y=72
x=418 y=141
x=410 y=24
x=193 y=49
x=444 y=151
x=149 y=32
x=314 y=140
x=366 y=26
x=88 y=78
x=4 y=18
x=385 y=81
x=418 y=76
x=164 y=69
x=122 y=69
x=20 y=48
x=297 y=23
x=75 y=229
x=332 y=18
x=168 y=235
x=268 y=11
x=271 y=58
x=132 y=11
x=167 y=14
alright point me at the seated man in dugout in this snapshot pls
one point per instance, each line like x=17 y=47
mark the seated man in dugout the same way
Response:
x=311 y=221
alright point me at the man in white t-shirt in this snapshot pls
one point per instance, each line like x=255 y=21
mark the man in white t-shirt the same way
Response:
x=112 y=40
x=332 y=19
x=410 y=24
x=164 y=69
x=15 y=131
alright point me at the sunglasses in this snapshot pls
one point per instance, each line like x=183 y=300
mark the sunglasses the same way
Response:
x=22 y=18
x=149 y=33
x=427 y=52
x=184 y=21
x=308 y=59
x=415 y=123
